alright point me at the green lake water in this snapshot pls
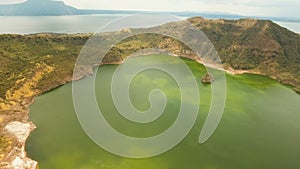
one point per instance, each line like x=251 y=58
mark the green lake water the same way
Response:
x=260 y=128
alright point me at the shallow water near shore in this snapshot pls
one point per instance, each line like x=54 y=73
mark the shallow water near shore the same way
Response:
x=259 y=129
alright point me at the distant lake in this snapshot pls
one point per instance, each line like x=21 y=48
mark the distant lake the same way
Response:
x=84 y=23
x=70 y=24
x=293 y=26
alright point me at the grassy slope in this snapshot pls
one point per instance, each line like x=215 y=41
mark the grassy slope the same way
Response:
x=242 y=44
x=256 y=44
x=20 y=54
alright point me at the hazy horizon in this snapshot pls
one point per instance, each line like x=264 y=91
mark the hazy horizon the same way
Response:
x=268 y=8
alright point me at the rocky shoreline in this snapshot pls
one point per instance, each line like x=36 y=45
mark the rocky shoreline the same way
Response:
x=16 y=127
x=20 y=130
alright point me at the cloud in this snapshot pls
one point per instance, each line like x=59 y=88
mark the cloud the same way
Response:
x=10 y=1
x=242 y=7
x=276 y=8
x=265 y=3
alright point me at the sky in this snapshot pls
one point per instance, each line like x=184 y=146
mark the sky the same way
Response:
x=275 y=8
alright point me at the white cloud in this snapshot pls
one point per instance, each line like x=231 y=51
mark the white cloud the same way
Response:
x=243 y=7
x=10 y=1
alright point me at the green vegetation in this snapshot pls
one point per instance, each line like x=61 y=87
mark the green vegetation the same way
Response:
x=258 y=45
x=20 y=54
x=135 y=43
x=245 y=44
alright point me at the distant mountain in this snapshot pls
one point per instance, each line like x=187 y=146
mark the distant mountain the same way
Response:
x=49 y=8
x=38 y=7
